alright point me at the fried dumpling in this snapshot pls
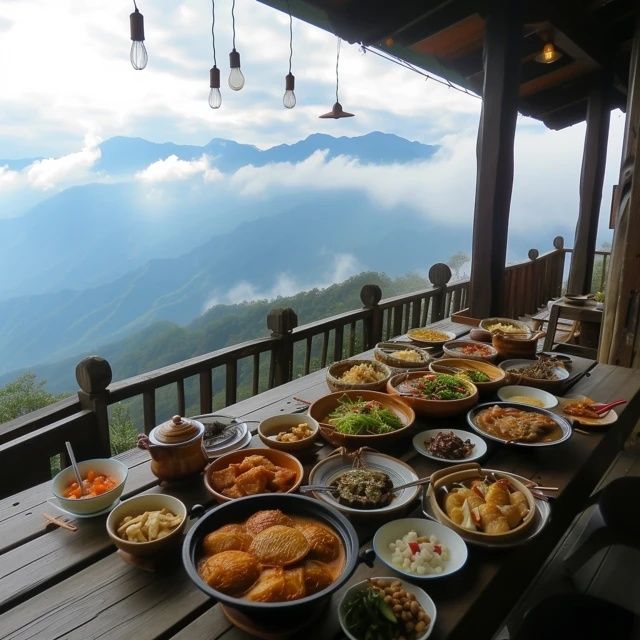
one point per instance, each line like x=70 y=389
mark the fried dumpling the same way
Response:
x=491 y=519
x=266 y=518
x=269 y=588
x=228 y=538
x=279 y=545
x=324 y=544
x=453 y=500
x=498 y=493
x=316 y=576
x=232 y=572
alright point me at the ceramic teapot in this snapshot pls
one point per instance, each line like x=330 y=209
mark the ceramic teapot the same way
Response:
x=176 y=448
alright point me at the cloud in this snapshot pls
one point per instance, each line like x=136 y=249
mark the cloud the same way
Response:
x=69 y=169
x=173 y=168
x=8 y=178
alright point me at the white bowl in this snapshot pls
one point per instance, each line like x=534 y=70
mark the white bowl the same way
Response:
x=271 y=427
x=509 y=392
x=396 y=529
x=85 y=506
x=421 y=596
x=479 y=449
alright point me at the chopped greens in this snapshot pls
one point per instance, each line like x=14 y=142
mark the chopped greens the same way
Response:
x=360 y=417
x=436 y=386
x=369 y=617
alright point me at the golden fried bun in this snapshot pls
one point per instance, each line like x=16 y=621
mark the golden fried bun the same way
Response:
x=262 y=520
x=324 y=544
x=232 y=572
x=226 y=540
x=294 y=584
x=269 y=588
x=280 y=546
x=316 y=576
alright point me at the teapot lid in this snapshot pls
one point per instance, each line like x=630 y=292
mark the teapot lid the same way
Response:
x=177 y=430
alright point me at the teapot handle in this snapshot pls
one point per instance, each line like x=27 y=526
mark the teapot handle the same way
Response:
x=143 y=441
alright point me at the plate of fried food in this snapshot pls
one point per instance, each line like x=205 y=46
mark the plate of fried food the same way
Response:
x=582 y=410
x=449 y=445
x=519 y=424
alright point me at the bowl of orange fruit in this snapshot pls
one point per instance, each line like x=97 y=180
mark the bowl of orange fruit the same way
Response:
x=102 y=484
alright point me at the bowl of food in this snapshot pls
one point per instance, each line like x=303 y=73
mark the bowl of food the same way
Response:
x=420 y=549
x=377 y=604
x=430 y=337
x=271 y=557
x=289 y=432
x=481 y=506
x=518 y=425
x=434 y=394
x=530 y=396
x=399 y=355
x=103 y=483
x=449 y=445
x=469 y=349
x=251 y=471
x=542 y=373
x=486 y=376
x=506 y=326
x=148 y=524
x=480 y=335
x=362 y=418
x=363 y=490
x=369 y=375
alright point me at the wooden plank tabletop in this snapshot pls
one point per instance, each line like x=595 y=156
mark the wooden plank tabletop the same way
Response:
x=59 y=584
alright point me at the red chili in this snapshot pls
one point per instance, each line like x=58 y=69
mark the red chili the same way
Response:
x=437 y=548
x=415 y=547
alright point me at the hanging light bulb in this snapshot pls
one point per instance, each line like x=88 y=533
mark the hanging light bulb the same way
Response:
x=138 y=54
x=337 y=111
x=215 y=99
x=289 y=98
x=236 y=79
x=548 y=54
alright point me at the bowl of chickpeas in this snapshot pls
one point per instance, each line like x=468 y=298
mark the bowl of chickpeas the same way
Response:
x=289 y=432
x=397 y=609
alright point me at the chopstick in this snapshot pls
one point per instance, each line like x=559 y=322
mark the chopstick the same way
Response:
x=605 y=408
x=59 y=521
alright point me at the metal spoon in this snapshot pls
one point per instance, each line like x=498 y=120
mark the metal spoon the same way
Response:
x=321 y=487
x=74 y=464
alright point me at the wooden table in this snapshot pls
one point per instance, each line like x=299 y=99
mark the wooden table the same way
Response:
x=585 y=314
x=59 y=584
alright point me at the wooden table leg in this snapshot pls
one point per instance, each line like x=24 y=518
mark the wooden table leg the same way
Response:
x=551 y=328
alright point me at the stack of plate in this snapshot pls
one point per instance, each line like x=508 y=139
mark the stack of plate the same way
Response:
x=223 y=434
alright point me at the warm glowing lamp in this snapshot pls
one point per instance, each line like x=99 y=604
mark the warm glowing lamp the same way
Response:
x=548 y=54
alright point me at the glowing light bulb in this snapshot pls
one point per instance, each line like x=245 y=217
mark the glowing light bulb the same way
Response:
x=289 y=98
x=138 y=54
x=215 y=99
x=236 y=79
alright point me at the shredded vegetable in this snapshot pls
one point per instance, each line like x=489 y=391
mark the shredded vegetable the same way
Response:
x=360 y=417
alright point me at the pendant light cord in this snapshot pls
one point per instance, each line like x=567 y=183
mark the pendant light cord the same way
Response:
x=337 y=63
x=233 y=23
x=213 y=24
x=290 y=35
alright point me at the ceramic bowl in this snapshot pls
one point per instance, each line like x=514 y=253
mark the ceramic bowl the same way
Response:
x=512 y=368
x=418 y=335
x=479 y=445
x=421 y=596
x=396 y=529
x=322 y=408
x=518 y=393
x=338 y=369
x=138 y=505
x=271 y=427
x=386 y=352
x=497 y=377
x=520 y=327
x=433 y=408
x=469 y=350
x=277 y=457
x=86 y=506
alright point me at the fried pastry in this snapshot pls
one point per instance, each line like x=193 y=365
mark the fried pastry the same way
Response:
x=266 y=518
x=283 y=480
x=294 y=584
x=279 y=546
x=232 y=572
x=254 y=480
x=324 y=544
x=256 y=461
x=316 y=576
x=270 y=587
x=226 y=540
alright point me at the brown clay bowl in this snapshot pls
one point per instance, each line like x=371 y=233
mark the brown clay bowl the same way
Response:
x=497 y=375
x=277 y=457
x=322 y=407
x=433 y=408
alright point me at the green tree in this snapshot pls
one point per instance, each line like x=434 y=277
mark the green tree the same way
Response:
x=122 y=429
x=23 y=395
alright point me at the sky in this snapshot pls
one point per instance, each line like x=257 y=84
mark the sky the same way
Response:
x=68 y=84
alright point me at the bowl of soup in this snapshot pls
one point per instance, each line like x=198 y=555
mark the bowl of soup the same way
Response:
x=271 y=556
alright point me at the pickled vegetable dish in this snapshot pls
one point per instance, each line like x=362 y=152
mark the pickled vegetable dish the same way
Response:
x=363 y=417
x=435 y=386
x=94 y=484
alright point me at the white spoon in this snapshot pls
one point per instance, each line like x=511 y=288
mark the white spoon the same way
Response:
x=74 y=464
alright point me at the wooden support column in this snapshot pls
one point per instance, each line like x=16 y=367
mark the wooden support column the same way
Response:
x=494 y=181
x=619 y=339
x=594 y=158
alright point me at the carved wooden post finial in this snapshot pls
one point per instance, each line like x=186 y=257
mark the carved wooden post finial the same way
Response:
x=439 y=276
x=94 y=376
x=370 y=295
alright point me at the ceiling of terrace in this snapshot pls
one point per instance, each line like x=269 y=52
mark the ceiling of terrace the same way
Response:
x=445 y=37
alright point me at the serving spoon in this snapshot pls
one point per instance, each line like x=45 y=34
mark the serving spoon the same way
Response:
x=323 y=487
x=74 y=465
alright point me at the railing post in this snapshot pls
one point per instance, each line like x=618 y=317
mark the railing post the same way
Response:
x=281 y=322
x=535 y=286
x=558 y=243
x=371 y=294
x=94 y=376
x=439 y=276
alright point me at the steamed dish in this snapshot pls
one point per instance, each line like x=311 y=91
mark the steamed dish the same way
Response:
x=272 y=557
x=517 y=425
x=363 y=417
x=489 y=507
x=363 y=489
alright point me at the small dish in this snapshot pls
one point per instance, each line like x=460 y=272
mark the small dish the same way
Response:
x=396 y=529
x=469 y=350
x=595 y=423
x=495 y=374
x=331 y=468
x=421 y=596
x=335 y=372
x=512 y=367
x=271 y=427
x=519 y=393
x=505 y=326
x=479 y=445
x=386 y=352
x=430 y=337
x=223 y=434
x=138 y=505
x=97 y=504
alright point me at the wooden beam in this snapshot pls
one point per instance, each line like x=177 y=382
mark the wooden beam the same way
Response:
x=620 y=342
x=594 y=159
x=494 y=181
